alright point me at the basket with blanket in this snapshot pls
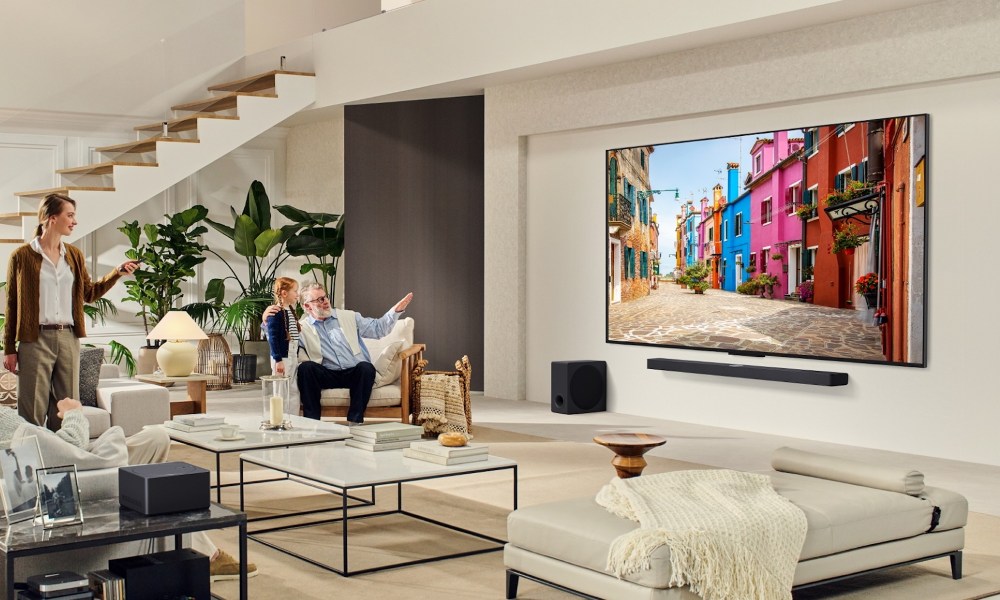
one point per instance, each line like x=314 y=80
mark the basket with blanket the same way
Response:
x=440 y=399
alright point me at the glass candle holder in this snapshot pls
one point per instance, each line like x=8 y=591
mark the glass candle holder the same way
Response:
x=275 y=413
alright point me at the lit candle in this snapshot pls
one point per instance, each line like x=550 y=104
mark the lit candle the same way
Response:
x=277 y=406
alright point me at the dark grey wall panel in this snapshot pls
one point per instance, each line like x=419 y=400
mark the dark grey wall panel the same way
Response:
x=413 y=187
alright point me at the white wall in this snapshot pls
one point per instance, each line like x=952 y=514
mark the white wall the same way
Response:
x=545 y=143
x=273 y=22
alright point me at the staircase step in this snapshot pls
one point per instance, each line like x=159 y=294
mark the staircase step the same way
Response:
x=264 y=81
x=184 y=123
x=62 y=190
x=14 y=218
x=221 y=102
x=146 y=145
x=104 y=168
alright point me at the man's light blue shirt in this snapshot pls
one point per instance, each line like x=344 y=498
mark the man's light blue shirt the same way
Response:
x=333 y=342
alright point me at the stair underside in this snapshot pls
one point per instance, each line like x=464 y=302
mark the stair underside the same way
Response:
x=62 y=190
x=104 y=168
x=141 y=146
x=14 y=218
x=263 y=81
x=225 y=101
x=184 y=123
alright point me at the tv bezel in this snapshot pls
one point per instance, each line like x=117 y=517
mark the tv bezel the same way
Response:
x=764 y=353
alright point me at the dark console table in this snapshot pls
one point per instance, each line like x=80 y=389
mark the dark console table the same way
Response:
x=106 y=523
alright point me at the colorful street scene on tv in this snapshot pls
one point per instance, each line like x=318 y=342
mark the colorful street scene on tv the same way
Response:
x=805 y=242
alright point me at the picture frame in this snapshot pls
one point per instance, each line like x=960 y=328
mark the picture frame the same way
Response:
x=59 y=497
x=20 y=462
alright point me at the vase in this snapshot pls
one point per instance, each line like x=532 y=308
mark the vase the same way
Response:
x=848 y=251
x=871 y=299
x=699 y=291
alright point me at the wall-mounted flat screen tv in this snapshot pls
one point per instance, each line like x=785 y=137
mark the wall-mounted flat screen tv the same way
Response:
x=807 y=242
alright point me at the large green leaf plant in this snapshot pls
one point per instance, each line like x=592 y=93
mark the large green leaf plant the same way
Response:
x=254 y=239
x=169 y=255
x=320 y=238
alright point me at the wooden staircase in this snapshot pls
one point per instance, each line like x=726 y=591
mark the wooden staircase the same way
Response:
x=165 y=153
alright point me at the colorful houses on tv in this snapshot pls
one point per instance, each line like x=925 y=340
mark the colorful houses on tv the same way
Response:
x=814 y=214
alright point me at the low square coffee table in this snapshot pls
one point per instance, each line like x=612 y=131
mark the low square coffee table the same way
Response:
x=304 y=432
x=344 y=469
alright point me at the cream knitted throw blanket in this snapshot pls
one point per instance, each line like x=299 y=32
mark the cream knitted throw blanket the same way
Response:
x=730 y=535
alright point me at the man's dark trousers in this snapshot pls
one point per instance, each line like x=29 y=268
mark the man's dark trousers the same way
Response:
x=313 y=378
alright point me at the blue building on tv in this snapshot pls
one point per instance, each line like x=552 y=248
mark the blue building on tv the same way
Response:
x=691 y=220
x=735 y=233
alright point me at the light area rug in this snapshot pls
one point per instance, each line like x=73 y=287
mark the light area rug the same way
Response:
x=547 y=471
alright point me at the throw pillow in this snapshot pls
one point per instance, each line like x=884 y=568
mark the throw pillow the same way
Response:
x=387 y=368
x=90 y=373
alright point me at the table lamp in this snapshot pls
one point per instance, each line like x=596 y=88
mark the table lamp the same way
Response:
x=176 y=357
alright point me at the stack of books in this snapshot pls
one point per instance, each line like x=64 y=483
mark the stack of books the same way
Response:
x=106 y=585
x=384 y=436
x=434 y=452
x=194 y=423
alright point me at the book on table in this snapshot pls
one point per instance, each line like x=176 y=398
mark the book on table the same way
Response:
x=387 y=431
x=200 y=419
x=191 y=428
x=443 y=460
x=377 y=446
x=435 y=447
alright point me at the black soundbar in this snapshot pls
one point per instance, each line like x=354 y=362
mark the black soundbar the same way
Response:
x=828 y=378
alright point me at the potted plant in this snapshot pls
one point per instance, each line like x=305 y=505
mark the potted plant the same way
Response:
x=805 y=211
x=777 y=256
x=699 y=287
x=846 y=239
x=320 y=238
x=853 y=189
x=98 y=311
x=867 y=286
x=254 y=239
x=806 y=291
x=169 y=255
x=767 y=283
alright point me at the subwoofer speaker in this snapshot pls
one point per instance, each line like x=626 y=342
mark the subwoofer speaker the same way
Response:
x=579 y=386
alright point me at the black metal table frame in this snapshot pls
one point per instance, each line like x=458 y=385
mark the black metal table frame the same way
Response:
x=218 y=485
x=178 y=531
x=343 y=492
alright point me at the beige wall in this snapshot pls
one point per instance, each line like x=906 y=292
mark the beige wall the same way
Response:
x=942 y=58
x=273 y=22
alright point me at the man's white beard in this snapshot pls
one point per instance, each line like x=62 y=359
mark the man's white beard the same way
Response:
x=323 y=313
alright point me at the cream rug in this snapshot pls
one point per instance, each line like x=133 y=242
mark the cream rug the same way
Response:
x=548 y=471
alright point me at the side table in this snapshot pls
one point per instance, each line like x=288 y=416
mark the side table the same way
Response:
x=197 y=387
x=628 y=449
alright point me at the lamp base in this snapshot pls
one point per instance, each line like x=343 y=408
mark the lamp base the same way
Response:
x=177 y=359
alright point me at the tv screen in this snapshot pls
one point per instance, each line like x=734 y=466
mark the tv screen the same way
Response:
x=806 y=242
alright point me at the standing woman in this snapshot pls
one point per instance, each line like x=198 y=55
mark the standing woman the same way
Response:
x=47 y=286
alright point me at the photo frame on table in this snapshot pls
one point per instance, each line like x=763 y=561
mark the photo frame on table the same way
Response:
x=20 y=462
x=59 y=496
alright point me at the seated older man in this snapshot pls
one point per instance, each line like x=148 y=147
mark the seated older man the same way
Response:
x=146 y=447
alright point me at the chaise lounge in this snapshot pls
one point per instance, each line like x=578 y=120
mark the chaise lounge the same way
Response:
x=861 y=518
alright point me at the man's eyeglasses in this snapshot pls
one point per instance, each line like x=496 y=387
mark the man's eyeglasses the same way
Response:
x=320 y=300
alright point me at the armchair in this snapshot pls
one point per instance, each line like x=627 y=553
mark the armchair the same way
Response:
x=394 y=357
x=127 y=403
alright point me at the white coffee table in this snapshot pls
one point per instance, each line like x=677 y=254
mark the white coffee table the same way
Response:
x=304 y=432
x=344 y=469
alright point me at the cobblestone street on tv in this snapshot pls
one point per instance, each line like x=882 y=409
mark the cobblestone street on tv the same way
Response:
x=731 y=321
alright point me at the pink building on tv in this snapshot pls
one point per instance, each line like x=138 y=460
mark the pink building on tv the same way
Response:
x=775 y=184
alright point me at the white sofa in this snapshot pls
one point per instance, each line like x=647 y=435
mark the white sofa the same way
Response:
x=394 y=357
x=128 y=403
x=860 y=518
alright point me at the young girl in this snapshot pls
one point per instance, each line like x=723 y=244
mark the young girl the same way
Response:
x=283 y=336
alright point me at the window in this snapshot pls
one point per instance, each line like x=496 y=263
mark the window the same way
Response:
x=643 y=264
x=764 y=255
x=642 y=159
x=793 y=197
x=725 y=230
x=765 y=211
x=629 y=262
x=812 y=141
x=757 y=162
x=711 y=235
x=753 y=260
x=840 y=181
x=841 y=129
x=738 y=227
x=811 y=198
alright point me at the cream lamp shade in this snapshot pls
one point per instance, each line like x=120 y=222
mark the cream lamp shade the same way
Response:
x=176 y=357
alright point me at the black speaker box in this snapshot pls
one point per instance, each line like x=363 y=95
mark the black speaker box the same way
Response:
x=579 y=386
x=179 y=573
x=163 y=488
